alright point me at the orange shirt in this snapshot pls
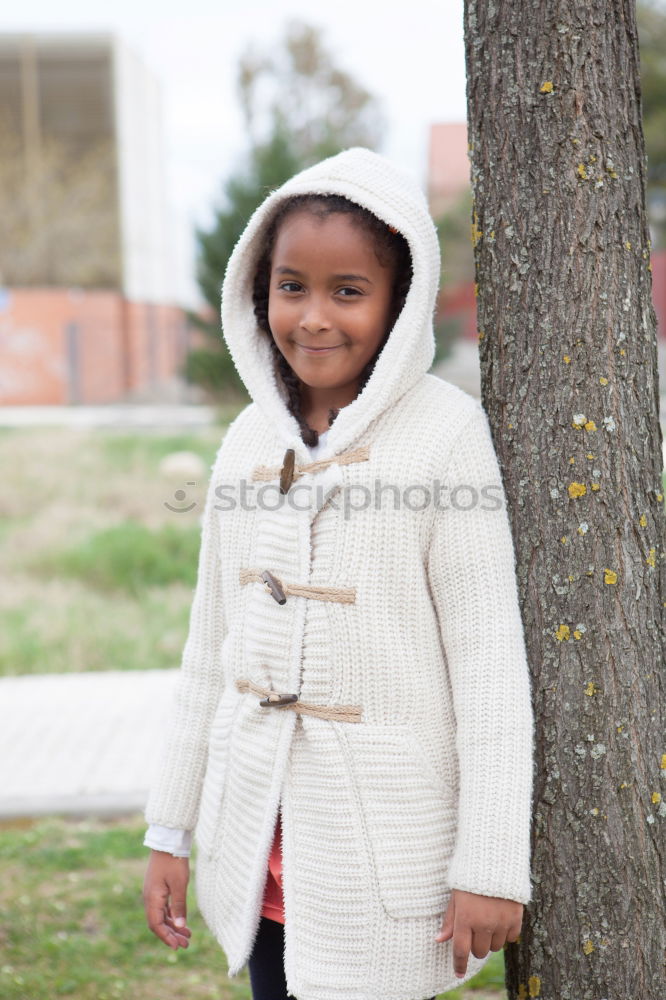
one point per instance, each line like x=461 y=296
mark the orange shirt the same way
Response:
x=273 y=903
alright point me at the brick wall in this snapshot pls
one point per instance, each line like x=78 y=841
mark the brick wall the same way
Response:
x=61 y=346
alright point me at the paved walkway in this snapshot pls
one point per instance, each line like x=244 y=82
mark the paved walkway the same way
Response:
x=81 y=743
x=117 y=415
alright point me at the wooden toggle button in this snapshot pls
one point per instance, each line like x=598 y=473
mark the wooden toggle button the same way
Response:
x=287 y=471
x=274 y=587
x=278 y=699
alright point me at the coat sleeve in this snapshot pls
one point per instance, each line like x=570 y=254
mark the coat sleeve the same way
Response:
x=471 y=571
x=175 y=789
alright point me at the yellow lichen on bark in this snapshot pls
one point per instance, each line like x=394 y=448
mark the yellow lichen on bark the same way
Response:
x=476 y=232
x=534 y=985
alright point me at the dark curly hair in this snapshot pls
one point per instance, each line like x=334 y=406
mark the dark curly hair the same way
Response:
x=391 y=248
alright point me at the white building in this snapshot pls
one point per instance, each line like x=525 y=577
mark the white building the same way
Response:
x=67 y=98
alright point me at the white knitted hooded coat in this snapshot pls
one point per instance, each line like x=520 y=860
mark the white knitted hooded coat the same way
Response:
x=416 y=623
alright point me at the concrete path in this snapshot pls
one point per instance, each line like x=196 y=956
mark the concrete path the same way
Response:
x=81 y=743
x=117 y=415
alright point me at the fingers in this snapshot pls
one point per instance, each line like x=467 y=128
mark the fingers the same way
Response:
x=513 y=932
x=177 y=919
x=462 y=942
x=446 y=930
x=164 y=896
x=478 y=924
x=455 y=927
x=162 y=925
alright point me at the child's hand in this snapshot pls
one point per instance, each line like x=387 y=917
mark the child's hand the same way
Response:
x=166 y=877
x=479 y=923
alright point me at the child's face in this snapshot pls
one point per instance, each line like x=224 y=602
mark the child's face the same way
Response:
x=327 y=290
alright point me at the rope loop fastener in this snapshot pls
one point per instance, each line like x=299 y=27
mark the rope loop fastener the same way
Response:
x=290 y=471
x=280 y=590
x=286 y=701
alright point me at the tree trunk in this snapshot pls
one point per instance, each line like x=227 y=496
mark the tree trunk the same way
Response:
x=569 y=380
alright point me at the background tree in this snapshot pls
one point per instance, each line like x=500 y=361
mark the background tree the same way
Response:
x=651 y=18
x=298 y=108
x=300 y=92
x=569 y=380
x=457 y=269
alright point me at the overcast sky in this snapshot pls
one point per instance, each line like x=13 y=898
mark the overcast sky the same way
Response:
x=410 y=55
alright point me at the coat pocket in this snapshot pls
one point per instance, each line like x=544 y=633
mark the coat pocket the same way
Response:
x=409 y=817
x=212 y=790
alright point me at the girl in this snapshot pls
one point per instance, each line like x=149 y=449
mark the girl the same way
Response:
x=351 y=738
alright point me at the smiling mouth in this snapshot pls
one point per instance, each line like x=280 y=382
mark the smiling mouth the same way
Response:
x=319 y=350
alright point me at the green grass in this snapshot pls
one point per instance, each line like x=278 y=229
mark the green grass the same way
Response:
x=130 y=450
x=102 y=571
x=77 y=629
x=128 y=556
x=72 y=922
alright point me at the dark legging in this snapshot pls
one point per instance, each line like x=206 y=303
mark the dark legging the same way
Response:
x=266 y=962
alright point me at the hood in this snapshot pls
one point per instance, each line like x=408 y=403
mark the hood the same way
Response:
x=393 y=196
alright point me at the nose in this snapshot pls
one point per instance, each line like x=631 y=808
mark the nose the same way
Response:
x=314 y=317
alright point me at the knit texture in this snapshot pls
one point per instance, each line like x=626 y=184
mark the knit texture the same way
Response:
x=431 y=790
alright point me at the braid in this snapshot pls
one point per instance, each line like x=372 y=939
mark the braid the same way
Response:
x=391 y=249
x=293 y=385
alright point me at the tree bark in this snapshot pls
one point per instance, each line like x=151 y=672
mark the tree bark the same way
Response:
x=568 y=357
